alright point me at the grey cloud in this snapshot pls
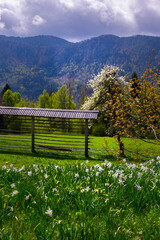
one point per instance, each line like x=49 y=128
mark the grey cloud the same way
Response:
x=9 y=19
x=148 y=22
x=80 y=19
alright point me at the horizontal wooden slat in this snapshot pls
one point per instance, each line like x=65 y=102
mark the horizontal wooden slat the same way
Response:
x=57 y=140
x=13 y=140
x=57 y=144
x=11 y=146
x=54 y=148
x=58 y=134
x=19 y=137
x=13 y=131
x=15 y=150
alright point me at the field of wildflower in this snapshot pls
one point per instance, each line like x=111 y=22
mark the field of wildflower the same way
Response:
x=81 y=201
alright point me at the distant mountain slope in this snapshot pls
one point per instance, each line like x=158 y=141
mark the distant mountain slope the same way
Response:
x=32 y=64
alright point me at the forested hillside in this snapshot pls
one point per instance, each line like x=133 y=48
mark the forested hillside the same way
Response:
x=33 y=64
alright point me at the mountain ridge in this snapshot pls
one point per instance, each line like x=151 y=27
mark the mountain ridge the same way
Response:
x=31 y=64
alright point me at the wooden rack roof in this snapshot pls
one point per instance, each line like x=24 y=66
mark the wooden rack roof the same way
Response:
x=43 y=112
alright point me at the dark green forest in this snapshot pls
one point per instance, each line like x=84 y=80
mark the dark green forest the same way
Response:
x=30 y=65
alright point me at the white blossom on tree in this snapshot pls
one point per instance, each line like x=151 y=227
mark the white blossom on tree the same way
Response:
x=102 y=84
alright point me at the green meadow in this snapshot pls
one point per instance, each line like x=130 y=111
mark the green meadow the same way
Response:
x=54 y=196
x=100 y=149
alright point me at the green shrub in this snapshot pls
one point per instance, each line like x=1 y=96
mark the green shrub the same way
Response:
x=99 y=130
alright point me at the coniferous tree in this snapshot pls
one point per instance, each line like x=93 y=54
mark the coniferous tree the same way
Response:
x=6 y=87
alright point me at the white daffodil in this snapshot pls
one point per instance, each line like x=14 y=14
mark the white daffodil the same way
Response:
x=13 y=185
x=27 y=197
x=29 y=173
x=14 y=192
x=49 y=212
x=45 y=176
x=54 y=190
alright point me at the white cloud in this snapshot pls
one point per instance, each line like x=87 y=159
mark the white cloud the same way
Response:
x=68 y=3
x=37 y=20
x=2 y=25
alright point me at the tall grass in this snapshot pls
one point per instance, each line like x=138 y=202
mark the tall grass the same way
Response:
x=80 y=201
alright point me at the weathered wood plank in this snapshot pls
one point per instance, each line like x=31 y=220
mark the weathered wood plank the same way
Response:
x=55 y=148
x=33 y=150
x=86 y=139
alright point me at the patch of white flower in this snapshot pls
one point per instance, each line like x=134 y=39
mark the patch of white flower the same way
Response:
x=109 y=165
x=143 y=168
x=4 y=167
x=85 y=189
x=22 y=168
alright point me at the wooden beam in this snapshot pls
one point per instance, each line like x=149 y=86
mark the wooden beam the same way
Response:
x=86 y=139
x=33 y=150
x=55 y=148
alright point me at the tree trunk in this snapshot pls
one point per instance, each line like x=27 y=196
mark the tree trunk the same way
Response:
x=121 y=147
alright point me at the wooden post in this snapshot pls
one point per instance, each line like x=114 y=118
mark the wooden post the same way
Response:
x=86 y=139
x=33 y=134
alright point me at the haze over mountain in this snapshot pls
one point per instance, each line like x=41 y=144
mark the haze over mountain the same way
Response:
x=33 y=64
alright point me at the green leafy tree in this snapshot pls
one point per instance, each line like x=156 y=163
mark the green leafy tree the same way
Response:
x=11 y=99
x=63 y=100
x=59 y=100
x=52 y=102
x=44 y=100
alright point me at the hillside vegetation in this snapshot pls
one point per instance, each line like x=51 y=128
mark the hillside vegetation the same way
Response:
x=33 y=64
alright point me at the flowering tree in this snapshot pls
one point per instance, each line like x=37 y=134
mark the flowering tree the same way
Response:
x=136 y=113
x=105 y=85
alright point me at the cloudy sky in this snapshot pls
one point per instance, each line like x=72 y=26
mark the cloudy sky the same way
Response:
x=77 y=20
